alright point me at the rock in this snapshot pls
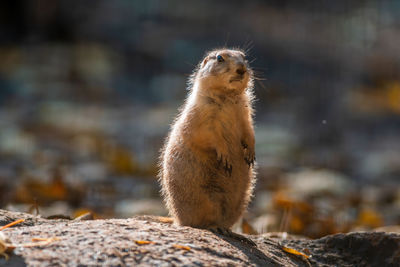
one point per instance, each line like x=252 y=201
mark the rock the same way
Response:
x=353 y=249
x=147 y=241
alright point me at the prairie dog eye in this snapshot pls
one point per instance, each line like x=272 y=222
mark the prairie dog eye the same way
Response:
x=220 y=58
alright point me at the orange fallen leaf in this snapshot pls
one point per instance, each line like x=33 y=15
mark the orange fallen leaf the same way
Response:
x=370 y=218
x=37 y=241
x=165 y=219
x=12 y=224
x=83 y=211
x=296 y=224
x=120 y=160
x=181 y=247
x=294 y=252
x=144 y=242
x=7 y=247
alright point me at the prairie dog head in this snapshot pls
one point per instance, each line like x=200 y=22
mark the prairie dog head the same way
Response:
x=224 y=70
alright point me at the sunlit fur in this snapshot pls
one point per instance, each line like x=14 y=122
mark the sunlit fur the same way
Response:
x=214 y=125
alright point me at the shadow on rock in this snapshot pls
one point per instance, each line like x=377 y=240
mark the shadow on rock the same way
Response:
x=13 y=261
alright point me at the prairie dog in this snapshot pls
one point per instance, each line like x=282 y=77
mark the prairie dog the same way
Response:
x=207 y=163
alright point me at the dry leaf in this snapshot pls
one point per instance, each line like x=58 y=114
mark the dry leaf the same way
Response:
x=296 y=224
x=370 y=218
x=12 y=224
x=6 y=246
x=43 y=192
x=165 y=219
x=297 y=253
x=84 y=212
x=144 y=242
x=294 y=252
x=85 y=216
x=181 y=247
x=120 y=159
x=37 y=241
x=393 y=97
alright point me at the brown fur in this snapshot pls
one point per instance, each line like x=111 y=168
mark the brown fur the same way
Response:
x=207 y=164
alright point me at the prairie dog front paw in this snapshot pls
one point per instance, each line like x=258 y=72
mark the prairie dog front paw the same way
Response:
x=249 y=153
x=224 y=161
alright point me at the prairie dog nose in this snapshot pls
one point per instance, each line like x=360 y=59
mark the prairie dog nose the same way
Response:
x=241 y=69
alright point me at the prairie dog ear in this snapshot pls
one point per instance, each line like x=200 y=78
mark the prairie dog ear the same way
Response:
x=205 y=61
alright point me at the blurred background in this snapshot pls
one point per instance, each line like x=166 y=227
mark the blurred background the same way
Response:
x=88 y=90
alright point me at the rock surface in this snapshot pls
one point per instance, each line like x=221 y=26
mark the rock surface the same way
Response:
x=146 y=241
